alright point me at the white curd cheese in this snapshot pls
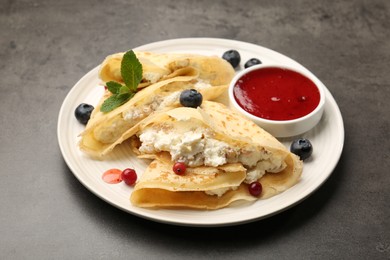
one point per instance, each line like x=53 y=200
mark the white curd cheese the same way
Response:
x=219 y=192
x=215 y=152
x=152 y=77
x=201 y=84
x=192 y=148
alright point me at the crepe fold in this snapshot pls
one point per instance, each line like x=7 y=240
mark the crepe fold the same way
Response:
x=160 y=187
x=175 y=72
x=223 y=151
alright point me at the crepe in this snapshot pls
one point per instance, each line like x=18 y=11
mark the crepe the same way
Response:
x=160 y=66
x=223 y=151
x=171 y=74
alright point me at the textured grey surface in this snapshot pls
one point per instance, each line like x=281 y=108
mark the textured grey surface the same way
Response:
x=47 y=46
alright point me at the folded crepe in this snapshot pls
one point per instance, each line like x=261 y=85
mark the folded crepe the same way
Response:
x=160 y=66
x=175 y=72
x=223 y=151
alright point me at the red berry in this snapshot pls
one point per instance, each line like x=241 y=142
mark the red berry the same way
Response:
x=255 y=188
x=179 y=168
x=129 y=176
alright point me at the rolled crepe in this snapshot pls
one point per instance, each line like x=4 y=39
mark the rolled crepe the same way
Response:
x=218 y=146
x=209 y=75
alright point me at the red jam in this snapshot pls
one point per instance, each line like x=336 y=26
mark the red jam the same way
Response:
x=276 y=94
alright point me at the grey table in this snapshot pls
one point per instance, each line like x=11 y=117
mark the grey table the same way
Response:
x=47 y=46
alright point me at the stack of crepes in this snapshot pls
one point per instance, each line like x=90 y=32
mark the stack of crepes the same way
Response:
x=164 y=77
x=223 y=151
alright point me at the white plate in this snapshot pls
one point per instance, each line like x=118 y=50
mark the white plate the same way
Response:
x=327 y=139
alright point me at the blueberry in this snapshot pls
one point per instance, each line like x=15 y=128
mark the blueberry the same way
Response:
x=191 y=98
x=233 y=57
x=302 y=147
x=252 y=62
x=83 y=113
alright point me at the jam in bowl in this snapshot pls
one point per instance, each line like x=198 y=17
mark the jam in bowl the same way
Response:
x=283 y=100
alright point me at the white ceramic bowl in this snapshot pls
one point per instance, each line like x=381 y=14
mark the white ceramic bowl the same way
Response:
x=282 y=128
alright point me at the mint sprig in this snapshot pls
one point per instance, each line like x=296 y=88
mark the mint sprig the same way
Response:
x=131 y=72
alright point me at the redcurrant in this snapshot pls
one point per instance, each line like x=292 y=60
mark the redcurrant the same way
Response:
x=255 y=188
x=179 y=168
x=129 y=176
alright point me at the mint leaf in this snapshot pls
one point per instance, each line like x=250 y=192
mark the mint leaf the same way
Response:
x=131 y=70
x=115 y=101
x=113 y=87
x=124 y=90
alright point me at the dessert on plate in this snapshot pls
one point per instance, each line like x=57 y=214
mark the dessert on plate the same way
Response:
x=202 y=154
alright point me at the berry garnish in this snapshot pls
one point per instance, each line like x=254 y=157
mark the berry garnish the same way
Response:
x=179 y=168
x=255 y=188
x=129 y=176
x=191 y=98
x=233 y=57
x=302 y=147
x=252 y=62
x=83 y=113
